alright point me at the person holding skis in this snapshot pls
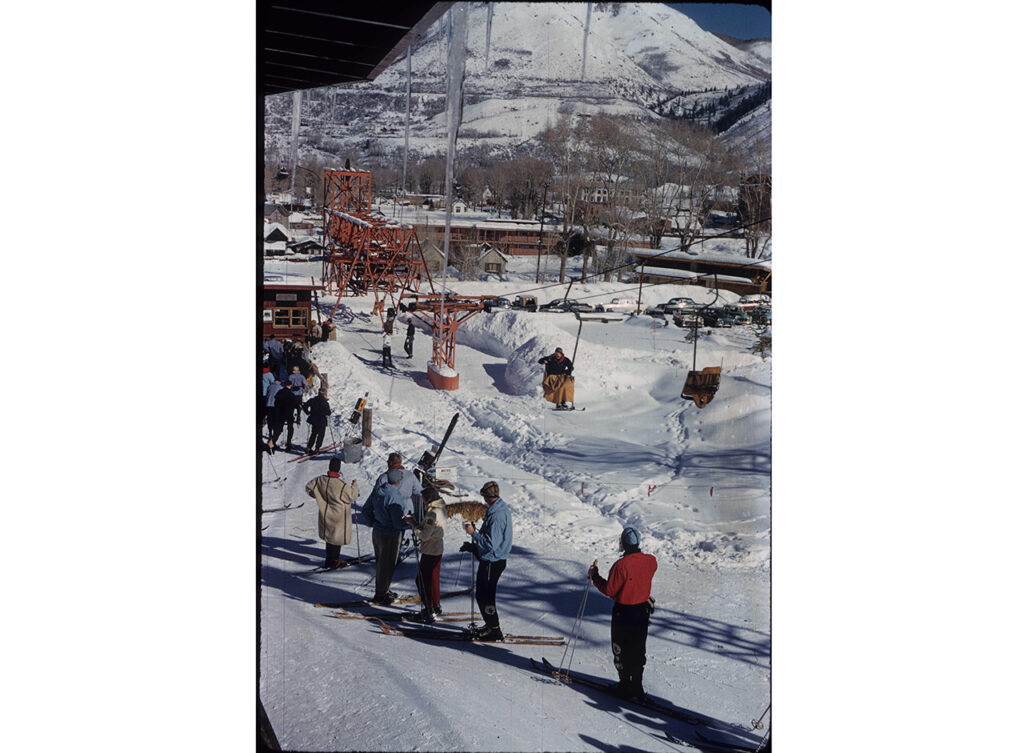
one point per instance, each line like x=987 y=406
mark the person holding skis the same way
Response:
x=559 y=383
x=334 y=498
x=385 y=511
x=491 y=546
x=629 y=586
x=319 y=411
x=431 y=536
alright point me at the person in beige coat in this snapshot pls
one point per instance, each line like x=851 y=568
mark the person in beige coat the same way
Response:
x=334 y=498
x=431 y=536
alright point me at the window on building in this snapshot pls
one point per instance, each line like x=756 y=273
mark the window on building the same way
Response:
x=490 y=267
x=290 y=317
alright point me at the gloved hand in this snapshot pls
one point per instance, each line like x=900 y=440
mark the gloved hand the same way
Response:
x=592 y=572
x=468 y=546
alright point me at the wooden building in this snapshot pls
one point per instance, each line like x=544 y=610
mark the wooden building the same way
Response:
x=743 y=276
x=287 y=310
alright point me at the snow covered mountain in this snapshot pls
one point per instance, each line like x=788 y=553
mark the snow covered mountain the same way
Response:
x=530 y=68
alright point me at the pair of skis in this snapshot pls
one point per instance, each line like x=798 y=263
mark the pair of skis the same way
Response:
x=442 y=634
x=289 y=506
x=410 y=599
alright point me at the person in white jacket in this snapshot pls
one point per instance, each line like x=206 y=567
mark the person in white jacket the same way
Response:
x=431 y=536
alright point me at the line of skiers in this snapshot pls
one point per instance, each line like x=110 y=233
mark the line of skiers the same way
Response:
x=396 y=504
x=289 y=375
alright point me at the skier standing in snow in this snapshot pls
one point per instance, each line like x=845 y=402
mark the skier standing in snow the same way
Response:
x=275 y=350
x=431 y=536
x=559 y=383
x=334 y=498
x=285 y=405
x=409 y=334
x=629 y=585
x=266 y=379
x=386 y=352
x=386 y=512
x=491 y=545
x=410 y=488
x=274 y=419
x=298 y=385
x=319 y=412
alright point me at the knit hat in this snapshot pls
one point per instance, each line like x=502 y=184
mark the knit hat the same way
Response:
x=630 y=538
x=395 y=475
x=334 y=465
x=490 y=489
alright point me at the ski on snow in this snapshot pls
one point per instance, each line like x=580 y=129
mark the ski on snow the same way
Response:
x=344 y=564
x=568 y=678
x=287 y=507
x=410 y=599
x=404 y=616
x=565 y=410
x=440 y=634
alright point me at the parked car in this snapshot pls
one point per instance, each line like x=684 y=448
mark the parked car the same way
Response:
x=656 y=310
x=581 y=306
x=762 y=315
x=739 y=315
x=525 y=302
x=682 y=301
x=688 y=318
x=570 y=304
x=496 y=303
x=716 y=316
x=618 y=304
x=751 y=302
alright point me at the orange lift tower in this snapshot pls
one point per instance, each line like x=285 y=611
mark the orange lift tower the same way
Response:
x=444 y=314
x=363 y=252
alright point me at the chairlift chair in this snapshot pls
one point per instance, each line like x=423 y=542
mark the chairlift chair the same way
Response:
x=701 y=386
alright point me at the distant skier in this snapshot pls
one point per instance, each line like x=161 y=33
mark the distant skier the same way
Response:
x=285 y=406
x=334 y=498
x=387 y=363
x=315 y=334
x=629 y=585
x=319 y=412
x=275 y=350
x=559 y=383
x=491 y=545
x=298 y=385
x=409 y=334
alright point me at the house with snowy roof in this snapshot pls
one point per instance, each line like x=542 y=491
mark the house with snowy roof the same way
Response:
x=275 y=239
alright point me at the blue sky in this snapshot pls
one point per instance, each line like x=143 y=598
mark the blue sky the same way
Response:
x=734 y=19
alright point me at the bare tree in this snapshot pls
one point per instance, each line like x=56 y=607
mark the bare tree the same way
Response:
x=755 y=207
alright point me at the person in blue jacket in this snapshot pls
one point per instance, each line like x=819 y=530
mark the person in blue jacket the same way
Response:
x=491 y=545
x=385 y=510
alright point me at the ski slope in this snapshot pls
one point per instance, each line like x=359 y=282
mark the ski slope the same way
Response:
x=695 y=482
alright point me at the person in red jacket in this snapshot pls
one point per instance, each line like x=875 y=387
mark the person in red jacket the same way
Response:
x=629 y=585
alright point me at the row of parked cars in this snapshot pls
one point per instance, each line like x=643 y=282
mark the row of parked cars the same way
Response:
x=685 y=312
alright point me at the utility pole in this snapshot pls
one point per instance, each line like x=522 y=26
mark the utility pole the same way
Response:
x=540 y=241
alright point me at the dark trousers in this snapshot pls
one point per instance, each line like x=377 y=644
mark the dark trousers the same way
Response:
x=316 y=437
x=388 y=363
x=408 y=347
x=629 y=642
x=486 y=588
x=429 y=580
x=332 y=553
x=385 y=550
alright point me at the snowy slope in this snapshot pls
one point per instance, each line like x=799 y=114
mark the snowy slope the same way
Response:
x=696 y=483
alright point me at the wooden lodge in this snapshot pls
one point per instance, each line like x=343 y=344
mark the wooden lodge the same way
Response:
x=287 y=310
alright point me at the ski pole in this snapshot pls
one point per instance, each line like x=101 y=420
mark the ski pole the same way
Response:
x=756 y=724
x=575 y=625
